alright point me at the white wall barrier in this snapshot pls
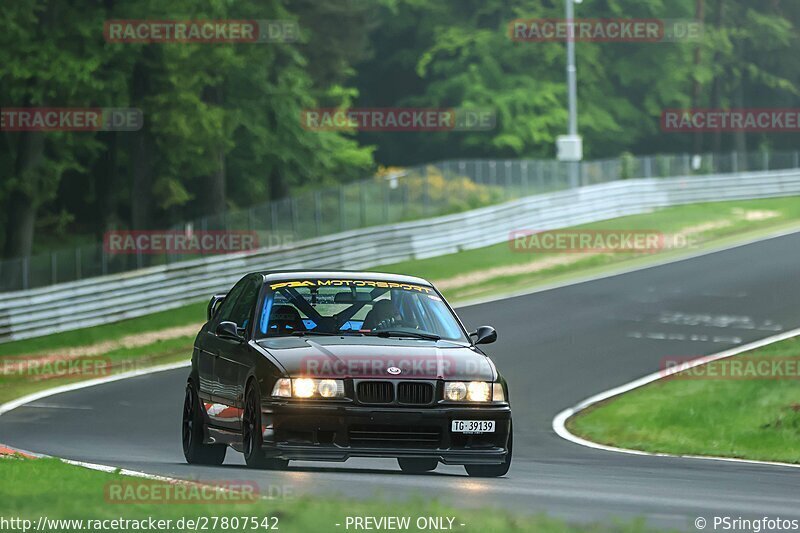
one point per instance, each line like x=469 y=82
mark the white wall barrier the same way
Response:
x=103 y=300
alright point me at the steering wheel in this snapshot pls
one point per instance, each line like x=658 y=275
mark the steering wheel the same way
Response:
x=394 y=322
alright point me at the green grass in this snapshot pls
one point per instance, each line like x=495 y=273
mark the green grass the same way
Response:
x=181 y=316
x=50 y=488
x=744 y=418
x=667 y=220
x=26 y=381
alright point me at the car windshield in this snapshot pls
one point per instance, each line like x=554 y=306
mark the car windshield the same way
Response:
x=357 y=307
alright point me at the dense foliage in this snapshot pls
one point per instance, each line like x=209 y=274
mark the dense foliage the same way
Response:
x=222 y=124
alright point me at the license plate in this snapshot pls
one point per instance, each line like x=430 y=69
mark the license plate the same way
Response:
x=472 y=426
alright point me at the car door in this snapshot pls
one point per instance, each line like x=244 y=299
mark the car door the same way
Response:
x=207 y=347
x=232 y=361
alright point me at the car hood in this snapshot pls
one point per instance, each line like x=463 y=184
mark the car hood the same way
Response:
x=370 y=358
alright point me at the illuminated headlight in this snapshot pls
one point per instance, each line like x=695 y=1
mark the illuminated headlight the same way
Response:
x=303 y=388
x=474 y=391
x=308 y=388
x=479 y=391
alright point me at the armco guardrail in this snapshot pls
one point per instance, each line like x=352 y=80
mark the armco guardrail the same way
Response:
x=89 y=302
x=413 y=193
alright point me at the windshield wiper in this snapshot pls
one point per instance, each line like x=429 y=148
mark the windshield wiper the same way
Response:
x=323 y=333
x=414 y=334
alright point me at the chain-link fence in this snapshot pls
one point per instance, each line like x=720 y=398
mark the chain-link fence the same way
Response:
x=407 y=194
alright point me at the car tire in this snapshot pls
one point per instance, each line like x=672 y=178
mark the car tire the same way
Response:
x=411 y=465
x=252 y=436
x=192 y=433
x=494 y=470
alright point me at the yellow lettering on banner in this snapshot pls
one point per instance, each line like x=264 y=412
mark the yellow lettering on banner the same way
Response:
x=348 y=283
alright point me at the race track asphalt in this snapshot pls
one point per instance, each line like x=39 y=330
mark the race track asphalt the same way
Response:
x=556 y=348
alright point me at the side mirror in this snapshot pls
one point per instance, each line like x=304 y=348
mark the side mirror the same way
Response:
x=214 y=304
x=228 y=330
x=484 y=335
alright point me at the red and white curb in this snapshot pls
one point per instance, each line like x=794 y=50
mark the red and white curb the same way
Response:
x=13 y=404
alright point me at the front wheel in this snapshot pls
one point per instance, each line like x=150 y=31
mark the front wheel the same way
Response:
x=417 y=466
x=494 y=470
x=195 y=451
x=252 y=435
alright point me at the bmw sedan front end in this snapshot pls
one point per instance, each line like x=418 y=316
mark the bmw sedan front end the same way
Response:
x=332 y=365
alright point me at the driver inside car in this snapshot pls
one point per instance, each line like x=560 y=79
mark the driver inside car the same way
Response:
x=383 y=315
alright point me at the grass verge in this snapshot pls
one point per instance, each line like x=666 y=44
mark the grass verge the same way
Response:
x=737 y=407
x=21 y=375
x=498 y=269
x=47 y=487
x=463 y=276
x=181 y=316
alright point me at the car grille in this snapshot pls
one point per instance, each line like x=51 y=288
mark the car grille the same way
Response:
x=412 y=393
x=375 y=436
x=375 y=392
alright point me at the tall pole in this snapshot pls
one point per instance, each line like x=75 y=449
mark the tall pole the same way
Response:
x=572 y=88
x=571 y=71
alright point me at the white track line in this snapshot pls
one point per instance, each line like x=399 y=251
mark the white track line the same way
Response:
x=621 y=269
x=93 y=466
x=559 y=422
x=13 y=404
x=130 y=473
x=8 y=406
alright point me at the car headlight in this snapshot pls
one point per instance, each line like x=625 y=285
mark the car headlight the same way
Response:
x=498 y=394
x=282 y=388
x=479 y=391
x=308 y=388
x=455 y=391
x=474 y=391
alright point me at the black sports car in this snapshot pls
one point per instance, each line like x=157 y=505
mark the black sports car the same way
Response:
x=331 y=365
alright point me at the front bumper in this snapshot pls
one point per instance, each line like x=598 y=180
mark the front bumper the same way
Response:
x=314 y=432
